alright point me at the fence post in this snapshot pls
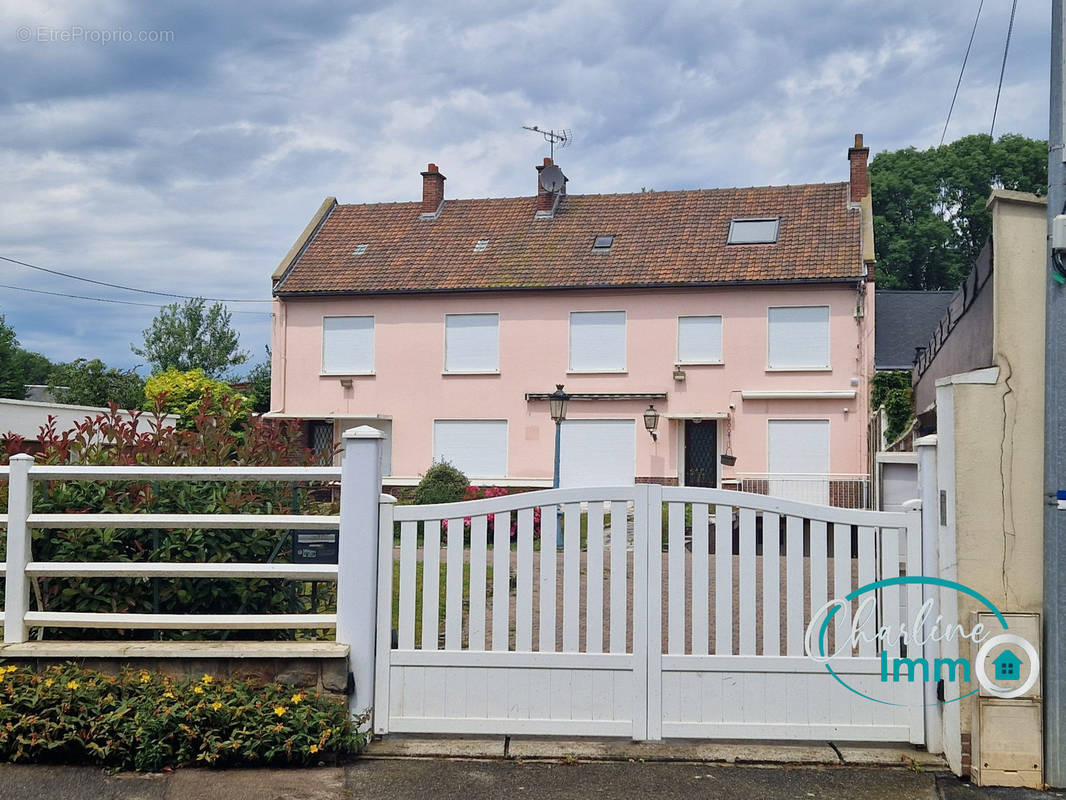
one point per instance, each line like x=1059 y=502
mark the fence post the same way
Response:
x=16 y=586
x=386 y=515
x=927 y=488
x=357 y=558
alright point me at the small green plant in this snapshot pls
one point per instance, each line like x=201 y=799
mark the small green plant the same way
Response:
x=442 y=483
x=145 y=721
x=893 y=391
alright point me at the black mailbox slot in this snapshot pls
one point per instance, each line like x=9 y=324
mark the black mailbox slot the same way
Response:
x=315 y=547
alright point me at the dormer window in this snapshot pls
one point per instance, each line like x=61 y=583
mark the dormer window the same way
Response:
x=602 y=244
x=359 y=249
x=761 y=230
x=481 y=245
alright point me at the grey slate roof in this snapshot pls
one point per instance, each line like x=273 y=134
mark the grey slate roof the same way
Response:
x=905 y=319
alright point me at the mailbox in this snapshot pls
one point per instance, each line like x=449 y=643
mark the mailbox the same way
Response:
x=315 y=547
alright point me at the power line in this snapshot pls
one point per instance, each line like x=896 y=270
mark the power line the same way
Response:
x=106 y=299
x=124 y=288
x=961 y=71
x=1003 y=68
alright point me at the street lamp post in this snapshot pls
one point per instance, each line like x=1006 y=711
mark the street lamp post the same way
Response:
x=557 y=401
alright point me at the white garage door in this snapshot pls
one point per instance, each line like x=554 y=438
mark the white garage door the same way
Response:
x=477 y=447
x=799 y=459
x=597 y=452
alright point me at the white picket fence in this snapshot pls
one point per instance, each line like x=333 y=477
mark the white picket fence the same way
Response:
x=627 y=632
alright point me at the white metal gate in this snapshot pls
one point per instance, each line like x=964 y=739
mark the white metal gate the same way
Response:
x=668 y=612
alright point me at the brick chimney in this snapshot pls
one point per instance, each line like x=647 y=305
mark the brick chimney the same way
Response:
x=860 y=178
x=432 y=190
x=545 y=198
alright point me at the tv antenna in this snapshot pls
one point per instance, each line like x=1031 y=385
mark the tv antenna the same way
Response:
x=561 y=137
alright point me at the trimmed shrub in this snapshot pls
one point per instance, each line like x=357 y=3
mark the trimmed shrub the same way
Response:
x=146 y=721
x=442 y=483
x=192 y=394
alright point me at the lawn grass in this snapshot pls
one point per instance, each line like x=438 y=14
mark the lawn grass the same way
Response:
x=442 y=598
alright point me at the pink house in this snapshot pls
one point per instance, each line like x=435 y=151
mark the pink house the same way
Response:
x=742 y=317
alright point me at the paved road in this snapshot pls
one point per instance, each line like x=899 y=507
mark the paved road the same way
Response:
x=441 y=779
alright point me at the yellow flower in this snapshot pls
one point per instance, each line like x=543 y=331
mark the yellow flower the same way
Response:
x=279 y=710
x=297 y=698
x=145 y=676
x=207 y=678
x=169 y=694
x=12 y=668
x=72 y=684
x=49 y=682
x=216 y=705
x=313 y=748
x=198 y=689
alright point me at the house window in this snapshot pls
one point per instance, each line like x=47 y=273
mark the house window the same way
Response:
x=320 y=441
x=471 y=342
x=798 y=337
x=477 y=447
x=597 y=341
x=348 y=345
x=481 y=245
x=699 y=340
x=603 y=243
x=753 y=231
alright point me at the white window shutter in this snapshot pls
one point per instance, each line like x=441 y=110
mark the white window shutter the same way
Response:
x=471 y=342
x=477 y=447
x=798 y=446
x=597 y=341
x=348 y=345
x=597 y=452
x=699 y=340
x=799 y=338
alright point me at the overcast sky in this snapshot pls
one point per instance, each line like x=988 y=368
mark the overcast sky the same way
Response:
x=190 y=161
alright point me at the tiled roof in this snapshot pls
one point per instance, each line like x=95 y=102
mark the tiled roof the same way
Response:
x=904 y=320
x=660 y=239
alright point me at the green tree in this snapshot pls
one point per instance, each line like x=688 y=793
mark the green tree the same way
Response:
x=192 y=335
x=258 y=380
x=35 y=368
x=930 y=221
x=192 y=394
x=11 y=383
x=92 y=383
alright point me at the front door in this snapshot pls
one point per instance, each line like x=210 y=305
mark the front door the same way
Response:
x=701 y=453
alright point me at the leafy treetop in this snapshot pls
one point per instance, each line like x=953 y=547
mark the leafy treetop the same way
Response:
x=191 y=335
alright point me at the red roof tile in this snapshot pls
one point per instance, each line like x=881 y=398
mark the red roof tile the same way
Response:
x=660 y=239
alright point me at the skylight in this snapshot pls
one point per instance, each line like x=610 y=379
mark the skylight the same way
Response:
x=603 y=243
x=481 y=245
x=753 y=231
x=359 y=250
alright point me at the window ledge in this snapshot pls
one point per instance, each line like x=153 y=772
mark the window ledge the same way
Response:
x=799 y=369
x=447 y=372
x=597 y=372
x=683 y=364
x=347 y=374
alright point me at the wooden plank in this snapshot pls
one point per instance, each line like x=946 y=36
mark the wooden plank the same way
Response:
x=700 y=578
x=478 y=588
x=867 y=574
x=548 y=564
x=771 y=584
x=842 y=582
x=453 y=587
x=524 y=588
x=431 y=585
x=501 y=581
x=794 y=586
x=619 y=569
x=192 y=622
x=571 y=577
x=594 y=579
x=302 y=522
x=675 y=579
x=723 y=580
x=407 y=588
x=747 y=582
x=152 y=569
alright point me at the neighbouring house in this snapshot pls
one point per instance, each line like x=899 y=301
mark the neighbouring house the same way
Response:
x=979 y=387
x=742 y=317
x=26 y=418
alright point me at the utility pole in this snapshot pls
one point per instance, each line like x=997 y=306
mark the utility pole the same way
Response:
x=1054 y=656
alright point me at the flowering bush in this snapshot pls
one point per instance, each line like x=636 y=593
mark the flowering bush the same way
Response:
x=145 y=721
x=480 y=493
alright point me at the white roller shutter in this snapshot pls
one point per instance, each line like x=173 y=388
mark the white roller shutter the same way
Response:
x=799 y=338
x=348 y=345
x=477 y=447
x=597 y=341
x=472 y=342
x=799 y=459
x=597 y=452
x=699 y=340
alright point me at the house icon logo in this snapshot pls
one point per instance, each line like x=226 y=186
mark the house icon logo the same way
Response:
x=1007 y=664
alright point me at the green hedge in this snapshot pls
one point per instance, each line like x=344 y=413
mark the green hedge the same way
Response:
x=145 y=721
